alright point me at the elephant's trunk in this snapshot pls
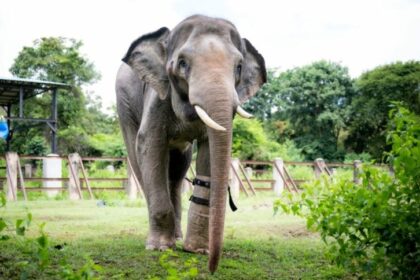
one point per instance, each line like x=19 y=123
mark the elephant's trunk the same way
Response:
x=220 y=149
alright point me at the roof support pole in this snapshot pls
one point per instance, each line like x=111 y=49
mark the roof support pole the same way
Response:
x=9 y=114
x=20 y=102
x=54 y=121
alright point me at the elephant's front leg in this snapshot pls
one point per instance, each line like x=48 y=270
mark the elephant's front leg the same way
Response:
x=197 y=237
x=179 y=163
x=153 y=159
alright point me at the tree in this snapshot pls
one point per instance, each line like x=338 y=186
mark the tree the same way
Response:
x=58 y=60
x=369 y=110
x=315 y=99
x=251 y=142
x=266 y=102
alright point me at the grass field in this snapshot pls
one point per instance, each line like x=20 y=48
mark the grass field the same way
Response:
x=257 y=244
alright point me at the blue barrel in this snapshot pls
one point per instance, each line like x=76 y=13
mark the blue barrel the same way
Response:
x=4 y=129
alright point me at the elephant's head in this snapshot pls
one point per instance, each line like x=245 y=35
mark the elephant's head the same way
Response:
x=208 y=70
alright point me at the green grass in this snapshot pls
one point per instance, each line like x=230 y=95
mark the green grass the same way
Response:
x=257 y=244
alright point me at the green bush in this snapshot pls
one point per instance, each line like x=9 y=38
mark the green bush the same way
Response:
x=108 y=144
x=351 y=157
x=250 y=142
x=75 y=139
x=36 y=146
x=372 y=228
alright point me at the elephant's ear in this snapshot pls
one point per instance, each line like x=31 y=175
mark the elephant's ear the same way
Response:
x=147 y=57
x=254 y=74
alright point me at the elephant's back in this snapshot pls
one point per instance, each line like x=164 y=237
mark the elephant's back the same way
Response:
x=129 y=93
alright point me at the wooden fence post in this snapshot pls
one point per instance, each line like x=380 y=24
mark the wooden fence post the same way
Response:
x=75 y=193
x=277 y=177
x=357 y=168
x=130 y=187
x=318 y=165
x=248 y=171
x=28 y=170
x=51 y=168
x=132 y=179
x=11 y=174
x=234 y=183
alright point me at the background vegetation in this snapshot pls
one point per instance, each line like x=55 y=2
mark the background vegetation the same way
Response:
x=371 y=228
x=312 y=111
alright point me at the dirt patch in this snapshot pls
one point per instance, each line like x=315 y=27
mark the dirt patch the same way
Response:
x=262 y=205
x=292 y=231
x=60 y=218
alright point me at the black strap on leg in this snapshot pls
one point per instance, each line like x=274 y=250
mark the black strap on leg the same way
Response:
x=201 y=183
x=200 y=201
x=231 y=203
x=206 y=202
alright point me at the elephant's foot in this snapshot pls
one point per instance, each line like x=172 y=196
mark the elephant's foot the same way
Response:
x=197 y=238
x=196 y=248
x=160 y=242
x=178 y=234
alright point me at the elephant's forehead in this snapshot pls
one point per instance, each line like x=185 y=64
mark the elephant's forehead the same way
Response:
x=209 y=44
x=195 y=29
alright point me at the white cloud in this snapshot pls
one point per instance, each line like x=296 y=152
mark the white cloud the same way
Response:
x=359 y=34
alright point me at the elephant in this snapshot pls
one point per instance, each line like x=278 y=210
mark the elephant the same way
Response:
x=175 y=87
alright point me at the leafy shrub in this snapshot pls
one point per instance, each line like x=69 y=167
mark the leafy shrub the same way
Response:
x=108 y=144
x=351 y=157
x=39 y=248
x=75 y=139
x=170 y=262
x=250 y=142
x=372 y=228
x=36 y=146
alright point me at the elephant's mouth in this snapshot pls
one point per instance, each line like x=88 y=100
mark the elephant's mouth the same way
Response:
x=190 y=114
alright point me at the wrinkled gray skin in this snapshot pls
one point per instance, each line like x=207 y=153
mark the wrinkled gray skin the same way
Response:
x=202 y=61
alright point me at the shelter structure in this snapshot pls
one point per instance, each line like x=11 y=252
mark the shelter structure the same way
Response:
x=16 y=91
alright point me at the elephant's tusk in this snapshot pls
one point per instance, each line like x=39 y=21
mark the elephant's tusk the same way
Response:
x=207 y=120
x=244 y=114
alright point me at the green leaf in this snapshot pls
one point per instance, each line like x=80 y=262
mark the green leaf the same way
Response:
x=42 y=241
x=3 y=224
x=2 y=199
x=4 y=237
x=20 y=230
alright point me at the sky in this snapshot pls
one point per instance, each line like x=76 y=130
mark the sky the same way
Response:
x=359 y=34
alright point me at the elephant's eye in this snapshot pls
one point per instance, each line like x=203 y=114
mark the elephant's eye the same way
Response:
x=238 y=72
x=239 y=69
x=182 y=65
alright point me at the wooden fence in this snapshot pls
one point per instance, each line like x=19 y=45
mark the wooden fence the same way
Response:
x=248 y=177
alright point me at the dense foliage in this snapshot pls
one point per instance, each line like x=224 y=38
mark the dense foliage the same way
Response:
x=80 y=115
x=316 y=99
x=372 y=228
x=329 y=115
x=376 y=90
x=308 y=105
x=303 y=113
x=267 y=101
x=251 y=142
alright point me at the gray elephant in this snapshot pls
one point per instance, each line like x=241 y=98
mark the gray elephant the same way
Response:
x=175 y=87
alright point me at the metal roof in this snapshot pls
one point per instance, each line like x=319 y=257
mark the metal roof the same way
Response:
x=10 y=89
